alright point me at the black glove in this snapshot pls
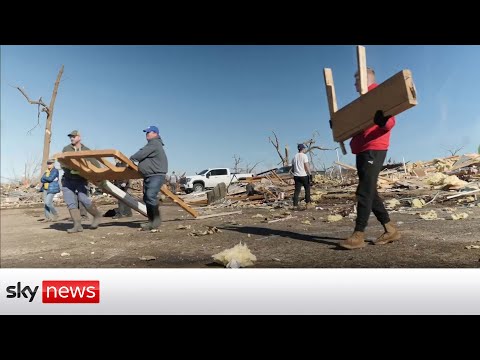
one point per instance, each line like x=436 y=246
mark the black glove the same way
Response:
x=380 y=118
x=310 y=179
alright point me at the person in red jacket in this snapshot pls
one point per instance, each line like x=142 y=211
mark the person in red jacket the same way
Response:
x=370 y=147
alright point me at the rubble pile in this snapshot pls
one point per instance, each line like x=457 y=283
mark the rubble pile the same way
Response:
x=454 y=178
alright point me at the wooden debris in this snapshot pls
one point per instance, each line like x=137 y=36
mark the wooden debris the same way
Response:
x=201 y=217
x=394 y=96
x=282 y=219
x=463 y=194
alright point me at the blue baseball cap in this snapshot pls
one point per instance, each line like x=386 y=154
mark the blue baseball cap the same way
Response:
x=151 y=128
x=301 y=147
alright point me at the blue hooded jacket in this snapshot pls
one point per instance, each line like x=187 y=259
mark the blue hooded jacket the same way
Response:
x=53 y=186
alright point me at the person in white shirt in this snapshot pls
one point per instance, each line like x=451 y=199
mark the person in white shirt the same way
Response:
x=301 y=174
x=173 y=182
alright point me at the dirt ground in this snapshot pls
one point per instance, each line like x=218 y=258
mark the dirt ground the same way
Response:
x=29 y=242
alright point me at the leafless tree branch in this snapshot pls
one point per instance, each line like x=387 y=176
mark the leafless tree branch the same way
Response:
x=41 y=107
x=452 y=150
x=276 y=144
x=39 y=102
x=250 y=168
x=237 y=160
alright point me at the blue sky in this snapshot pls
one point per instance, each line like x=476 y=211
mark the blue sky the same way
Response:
x=211 y=102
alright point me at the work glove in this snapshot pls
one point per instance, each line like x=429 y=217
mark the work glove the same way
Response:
x=310 y=179
x=380 y=118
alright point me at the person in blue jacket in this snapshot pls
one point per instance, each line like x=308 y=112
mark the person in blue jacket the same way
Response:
x=50 y=187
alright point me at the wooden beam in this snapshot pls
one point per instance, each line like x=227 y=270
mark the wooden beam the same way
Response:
x=219 y=214
x=246 y=197
x=394 y=96
x=165 y=190
x=282 y=219
x=279 y=178
x=355 y=169
x=362 y=69
x=463 y=194
x=124 y=197
x=109 y=165
x=349 y=167
x=332 y=100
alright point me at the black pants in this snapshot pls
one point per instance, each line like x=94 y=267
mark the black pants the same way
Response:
x=369 y=165
x=299 y=182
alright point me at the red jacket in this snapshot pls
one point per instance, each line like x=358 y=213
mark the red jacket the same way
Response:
x=373 y=138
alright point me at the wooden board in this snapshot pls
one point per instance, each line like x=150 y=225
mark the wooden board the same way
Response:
x=332 y=99
x=362 y=69
x=393 y=96
x=79 y=161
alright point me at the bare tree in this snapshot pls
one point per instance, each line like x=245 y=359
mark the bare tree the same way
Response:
x=311 y=147
x=237 y=160
x=42 y=107
x=453 y=151
x=310 y=143
x=30 y=172
x=276 y=144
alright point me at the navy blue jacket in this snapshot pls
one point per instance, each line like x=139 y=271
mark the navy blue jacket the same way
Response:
x=53 y=186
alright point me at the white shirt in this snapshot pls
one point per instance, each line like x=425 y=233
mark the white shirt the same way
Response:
x=298 y=164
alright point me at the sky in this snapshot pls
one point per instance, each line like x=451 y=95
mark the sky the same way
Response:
x=213 y=102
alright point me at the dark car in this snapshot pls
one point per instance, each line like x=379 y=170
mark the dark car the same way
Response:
x=283 y=170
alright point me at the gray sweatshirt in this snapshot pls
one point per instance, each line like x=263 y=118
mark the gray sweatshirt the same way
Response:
x=152 y=159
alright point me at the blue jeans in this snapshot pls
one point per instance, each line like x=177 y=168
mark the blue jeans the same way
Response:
x=75 y=191
x=151 y=188
x=50 y=210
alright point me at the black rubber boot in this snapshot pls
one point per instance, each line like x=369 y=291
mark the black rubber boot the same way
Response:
x=92 y=209
x=156 y=217
x=77 y=221
x=150 y=213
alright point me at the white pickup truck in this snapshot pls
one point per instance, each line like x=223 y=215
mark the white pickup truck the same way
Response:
x=210 y=178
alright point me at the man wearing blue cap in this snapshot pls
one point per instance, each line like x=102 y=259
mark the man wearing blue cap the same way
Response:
x=153 y=165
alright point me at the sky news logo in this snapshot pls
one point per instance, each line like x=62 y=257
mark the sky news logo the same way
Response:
x=59 y=292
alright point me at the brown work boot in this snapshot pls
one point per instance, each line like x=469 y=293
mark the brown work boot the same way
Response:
x=97 y=216
x=77 y=221
x=355 y=241
x=391 y=234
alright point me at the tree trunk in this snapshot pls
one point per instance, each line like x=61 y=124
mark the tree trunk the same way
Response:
x=285 y=160
x=48 y=125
